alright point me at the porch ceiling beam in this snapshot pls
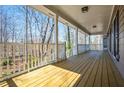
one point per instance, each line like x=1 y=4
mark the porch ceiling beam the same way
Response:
x=98 y=33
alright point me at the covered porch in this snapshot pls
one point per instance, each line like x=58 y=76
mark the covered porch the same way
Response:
x=61 y=46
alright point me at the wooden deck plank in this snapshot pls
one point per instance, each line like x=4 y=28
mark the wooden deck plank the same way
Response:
x=83 y=81
x=57 y=79
x=117 y=75
x=84 y=70
x=38 y=73
x=45 y=77
x=92 y=76
x=105 y=81
x=61 y=78
x=3 y=84
x=68 y=75
x=27 y=80
x=112 y=80
x=72 y=81
x=34 y=72
x=98 y=78
x=87 y=74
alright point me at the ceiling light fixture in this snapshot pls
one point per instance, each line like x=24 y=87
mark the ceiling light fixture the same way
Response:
x=84 y=9
x=94 y=26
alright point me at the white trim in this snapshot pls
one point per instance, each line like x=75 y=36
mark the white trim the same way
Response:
x=113 y=58
x=43 y=9
x=110 y=18
x=77 y=40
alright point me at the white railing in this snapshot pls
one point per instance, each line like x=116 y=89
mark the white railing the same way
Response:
x=83 y=48
x=96 y=46
x=16 y=58
x=61 y=51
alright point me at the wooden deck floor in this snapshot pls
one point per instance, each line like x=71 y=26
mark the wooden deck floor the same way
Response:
x=94 y=68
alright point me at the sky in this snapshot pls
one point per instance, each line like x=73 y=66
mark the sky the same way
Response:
x=62 y=32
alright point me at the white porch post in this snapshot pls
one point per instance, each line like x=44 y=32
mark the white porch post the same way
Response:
x=77 y=40
x=89 y=43
x=85 y=43
x=0 y=66
x=56 y=36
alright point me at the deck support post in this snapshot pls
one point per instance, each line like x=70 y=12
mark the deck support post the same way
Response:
x=56 y=36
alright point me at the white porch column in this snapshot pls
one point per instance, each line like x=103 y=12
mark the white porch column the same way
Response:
x=56 y=36
x=89 y=43
x=77 y=40
x=85 y=43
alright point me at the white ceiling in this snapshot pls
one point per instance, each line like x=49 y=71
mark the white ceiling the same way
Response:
x=98 y=15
